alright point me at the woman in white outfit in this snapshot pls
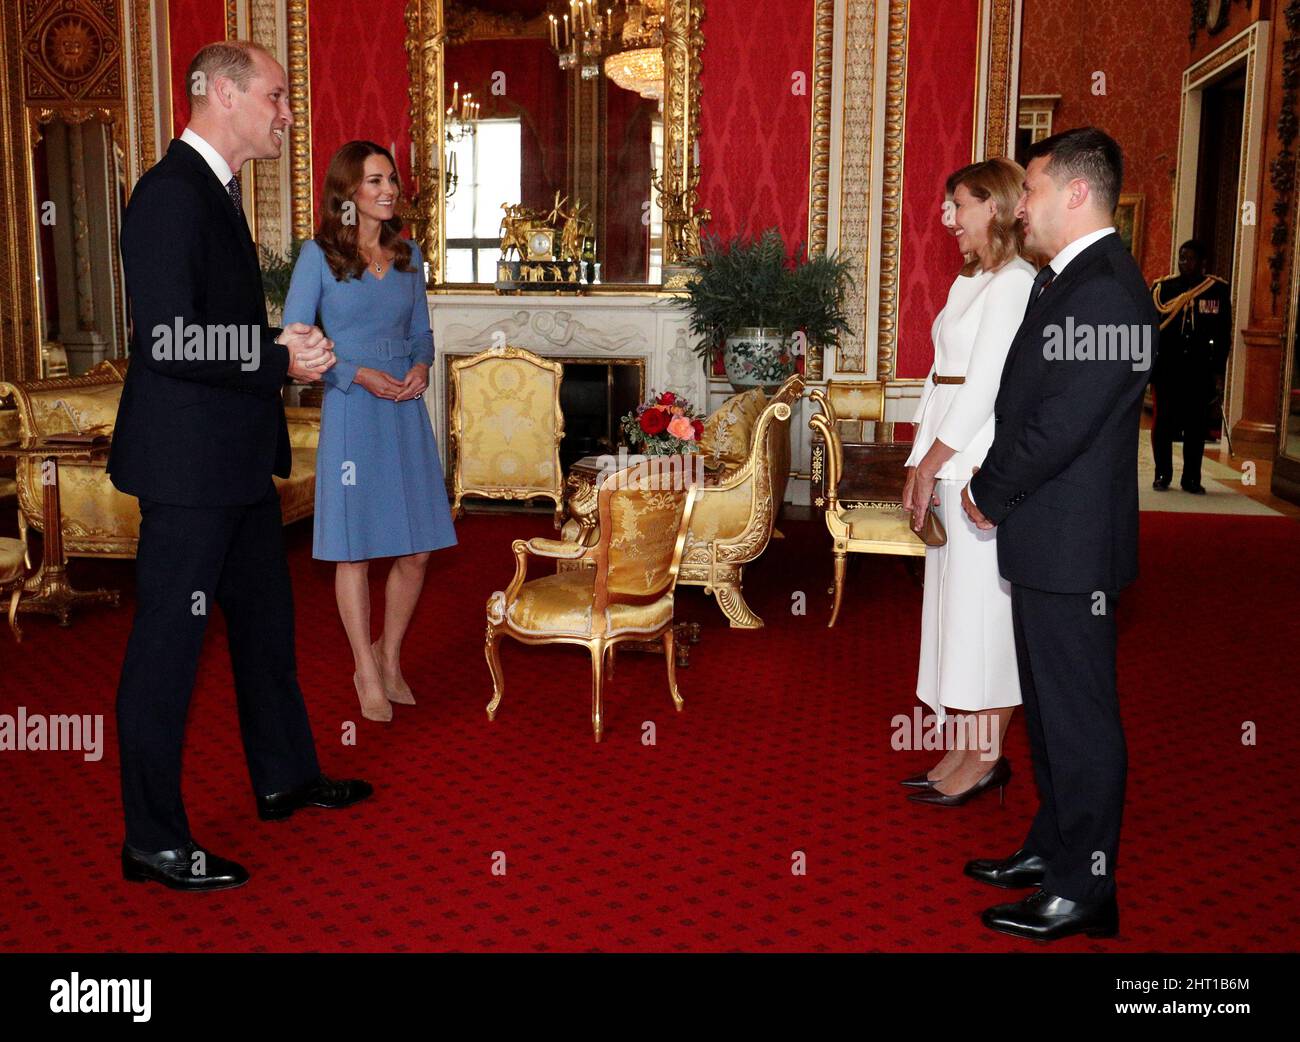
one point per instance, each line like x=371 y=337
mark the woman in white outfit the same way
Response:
x=968 y=654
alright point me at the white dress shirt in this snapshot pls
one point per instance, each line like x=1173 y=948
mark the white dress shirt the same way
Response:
x=210 y=155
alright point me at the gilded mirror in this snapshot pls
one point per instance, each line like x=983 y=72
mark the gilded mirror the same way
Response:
x=564 y=130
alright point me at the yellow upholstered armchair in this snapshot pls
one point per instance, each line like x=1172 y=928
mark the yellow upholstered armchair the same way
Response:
x=873 y=528
x=14 y=566
x=506 y=427
x=733 y=521
x=624 y=594
x=98 y=520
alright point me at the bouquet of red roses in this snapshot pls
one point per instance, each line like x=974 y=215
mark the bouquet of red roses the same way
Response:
x=666 y=425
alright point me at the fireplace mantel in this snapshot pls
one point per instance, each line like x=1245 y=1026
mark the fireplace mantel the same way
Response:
x=646 y=326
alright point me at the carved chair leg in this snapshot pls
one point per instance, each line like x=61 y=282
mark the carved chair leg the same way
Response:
x=841 y=562
x=671 y=658
x=597 y=685
x=494 y=665
x=613 y=651
x=13 y=612
x=457 y=511
x=732 y=602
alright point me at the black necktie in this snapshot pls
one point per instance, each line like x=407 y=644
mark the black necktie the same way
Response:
x=1041 y=281
x=232 y=186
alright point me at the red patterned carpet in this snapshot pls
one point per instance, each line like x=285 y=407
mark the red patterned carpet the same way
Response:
x=685 y=845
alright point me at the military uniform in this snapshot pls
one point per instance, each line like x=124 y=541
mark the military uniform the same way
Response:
x=1195 y=337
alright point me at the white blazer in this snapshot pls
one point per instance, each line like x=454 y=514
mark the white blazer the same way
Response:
x=971 y=335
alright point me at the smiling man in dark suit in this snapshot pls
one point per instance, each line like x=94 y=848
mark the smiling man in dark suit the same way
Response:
x=200 y=431
x=1060 y=483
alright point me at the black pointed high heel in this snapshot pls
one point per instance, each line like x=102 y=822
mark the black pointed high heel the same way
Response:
x=997 y=778
x=918 y=781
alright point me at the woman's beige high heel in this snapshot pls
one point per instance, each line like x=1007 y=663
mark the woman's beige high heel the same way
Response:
x=382 y=711
x=397 y=690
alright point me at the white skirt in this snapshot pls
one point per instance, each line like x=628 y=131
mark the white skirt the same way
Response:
x=968 y=648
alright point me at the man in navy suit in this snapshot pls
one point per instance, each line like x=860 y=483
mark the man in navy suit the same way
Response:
x=200 y=430
x=1060 y=484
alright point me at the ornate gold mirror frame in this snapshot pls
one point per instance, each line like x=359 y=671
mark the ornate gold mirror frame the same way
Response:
x=426 y=36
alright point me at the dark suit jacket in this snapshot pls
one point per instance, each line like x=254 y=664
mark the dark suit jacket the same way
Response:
x=1060 y=480
x=201 y=431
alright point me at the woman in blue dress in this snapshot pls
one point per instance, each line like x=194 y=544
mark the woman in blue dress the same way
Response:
x=379 y=484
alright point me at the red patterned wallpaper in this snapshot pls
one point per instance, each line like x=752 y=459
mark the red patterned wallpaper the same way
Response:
x=941 y=68
x=1142 y=49
x=358 y=85
x=191 y=24
x=755 y=131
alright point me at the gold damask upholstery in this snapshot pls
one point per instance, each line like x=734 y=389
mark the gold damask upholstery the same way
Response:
x=733 y=520
x=506 y=427
x=98 y=520
x=882 y=528
x=14 y=565
x=625 y=592
x=728 y=429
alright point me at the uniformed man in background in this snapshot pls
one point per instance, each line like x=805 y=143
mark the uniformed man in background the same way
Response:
x=1195 y=337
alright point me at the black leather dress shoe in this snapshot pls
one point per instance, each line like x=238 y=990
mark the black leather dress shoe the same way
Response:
x=1196 y=490
x=323 y=792
x=918 y=781
x=185 y=868
x=1160 y=484
x=1010 y=873
x=1044 y=917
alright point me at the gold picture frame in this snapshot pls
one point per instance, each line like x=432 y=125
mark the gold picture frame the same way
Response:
x=1129 y=215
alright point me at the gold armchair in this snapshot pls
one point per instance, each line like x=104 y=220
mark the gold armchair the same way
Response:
x=626 y=594
x=873 y=528
x=506 y=427
x=733 y=521
x=14 y=566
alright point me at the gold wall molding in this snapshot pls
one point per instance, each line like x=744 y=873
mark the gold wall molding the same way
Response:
x=142 y=86
x=997 y=78
x=856 y=71
x=301 y=187
x=891 y=192
x=819 y=160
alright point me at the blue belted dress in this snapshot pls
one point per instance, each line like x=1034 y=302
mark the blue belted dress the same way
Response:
x=379 y=483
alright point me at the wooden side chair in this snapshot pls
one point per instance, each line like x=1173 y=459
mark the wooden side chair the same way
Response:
x=873 y=528
x=626 y=594
x=506 y=427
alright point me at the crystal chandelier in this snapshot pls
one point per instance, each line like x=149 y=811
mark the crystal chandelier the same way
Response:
x=637 y=64
x=625 y=39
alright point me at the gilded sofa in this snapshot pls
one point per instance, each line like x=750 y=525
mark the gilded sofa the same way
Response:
x=733 y=520
x=98 y=520
x=506 y=426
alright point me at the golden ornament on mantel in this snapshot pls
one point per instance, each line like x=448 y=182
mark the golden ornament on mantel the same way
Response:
x=548 y=247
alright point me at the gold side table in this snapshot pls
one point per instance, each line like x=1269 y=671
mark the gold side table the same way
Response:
x=47 y=590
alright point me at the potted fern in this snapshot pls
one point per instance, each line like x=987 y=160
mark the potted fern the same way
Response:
x=760 y=311
x=277 y=271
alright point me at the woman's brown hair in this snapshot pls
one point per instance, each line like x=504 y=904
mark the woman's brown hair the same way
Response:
x=336 y=237
x=1001 y=180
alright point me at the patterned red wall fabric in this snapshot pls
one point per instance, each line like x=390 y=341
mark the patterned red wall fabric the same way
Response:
x=755 y=131
x=358 y=81
x=191 y=24
x=941 y=66
x=1142 y=49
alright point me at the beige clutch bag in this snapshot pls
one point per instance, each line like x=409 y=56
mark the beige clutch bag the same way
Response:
x=932 y=531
